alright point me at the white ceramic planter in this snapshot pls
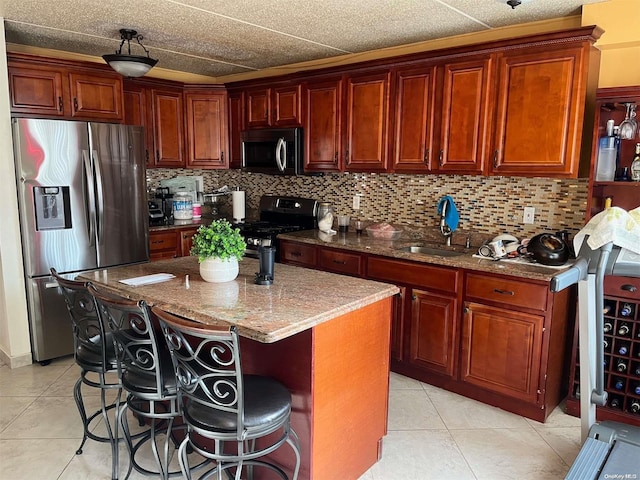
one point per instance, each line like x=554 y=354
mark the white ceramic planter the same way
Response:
x=218 y=271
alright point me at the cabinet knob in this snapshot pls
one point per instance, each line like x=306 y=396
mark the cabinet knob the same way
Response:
x=426 y=156
x=495 y=158
x=60 y=103
x=413 y=297
x=466 y=310
x=441 y=158
x=75 y=104
x=222 y=156
x=335 y=158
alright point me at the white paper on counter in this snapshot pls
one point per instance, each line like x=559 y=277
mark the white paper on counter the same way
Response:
x=237 y=199
x=148 y=279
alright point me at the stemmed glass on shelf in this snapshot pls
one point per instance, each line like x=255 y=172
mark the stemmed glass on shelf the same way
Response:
x=629 y=125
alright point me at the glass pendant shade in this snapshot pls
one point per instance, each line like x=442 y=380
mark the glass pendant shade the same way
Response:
x=126 y=64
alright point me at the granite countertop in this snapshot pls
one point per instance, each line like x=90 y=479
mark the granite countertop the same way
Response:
x=389 y=248
x=298 y=299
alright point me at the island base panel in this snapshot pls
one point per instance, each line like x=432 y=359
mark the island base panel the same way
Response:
x=338 y=373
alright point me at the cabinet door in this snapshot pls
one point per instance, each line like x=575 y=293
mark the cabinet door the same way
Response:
x=206 y=130
x=168 y=129
x=136 y=113
x=432 y=343
x=366 y=122
x=323 y=126
x=37 y=91
x=464 y=130
x=96 y=96
x=186 y=241
x=414 y=119
x=236 y=126
x=539 y=112
x=258 y=107
x=287 y=106
x=501 y=350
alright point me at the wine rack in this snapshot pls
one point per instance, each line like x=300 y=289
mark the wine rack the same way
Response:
x=621 y=351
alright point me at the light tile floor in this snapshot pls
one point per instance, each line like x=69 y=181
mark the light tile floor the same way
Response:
x=433 y=434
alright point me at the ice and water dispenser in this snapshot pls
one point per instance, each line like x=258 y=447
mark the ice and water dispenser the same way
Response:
x=52 y=207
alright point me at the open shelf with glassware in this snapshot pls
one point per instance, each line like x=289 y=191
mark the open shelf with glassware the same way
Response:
x=614 y=104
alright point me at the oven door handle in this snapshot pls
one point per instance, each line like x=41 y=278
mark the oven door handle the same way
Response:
x=281 y=154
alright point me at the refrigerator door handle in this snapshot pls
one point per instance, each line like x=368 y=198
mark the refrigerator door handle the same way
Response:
x=99 y=196
x=90 y=197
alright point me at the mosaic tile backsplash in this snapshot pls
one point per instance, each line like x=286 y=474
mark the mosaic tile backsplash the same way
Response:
x=487 y=205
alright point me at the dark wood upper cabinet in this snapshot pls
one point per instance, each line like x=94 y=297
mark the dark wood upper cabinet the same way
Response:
x=277 y=106
x=258 y=105
x=96 y=96
x=136 y=112
x=366 y=122
x=287 y=106
x=465 y=116
x=43 y=89
x=540 y=108
x=37 y=91
x=206 y=130
x=323 y=125
x=168 y=128
x=414 y=117
x=235 y=113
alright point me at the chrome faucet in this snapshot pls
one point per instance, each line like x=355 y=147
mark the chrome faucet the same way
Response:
x=444 y=228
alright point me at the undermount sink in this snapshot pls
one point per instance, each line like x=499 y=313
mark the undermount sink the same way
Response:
x=430 y=251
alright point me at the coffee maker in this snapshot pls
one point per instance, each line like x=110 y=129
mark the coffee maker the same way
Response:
x=164 y=201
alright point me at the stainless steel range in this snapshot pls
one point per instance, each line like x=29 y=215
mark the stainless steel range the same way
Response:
x=278 y=214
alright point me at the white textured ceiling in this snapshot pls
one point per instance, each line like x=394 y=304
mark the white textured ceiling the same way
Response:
x=223 y=37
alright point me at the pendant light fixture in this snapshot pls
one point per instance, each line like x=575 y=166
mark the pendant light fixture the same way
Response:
x=126 y=64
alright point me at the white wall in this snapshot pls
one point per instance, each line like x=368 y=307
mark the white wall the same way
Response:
x=15 y=346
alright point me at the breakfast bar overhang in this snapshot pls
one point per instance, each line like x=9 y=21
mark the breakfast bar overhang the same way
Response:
x=325 y=336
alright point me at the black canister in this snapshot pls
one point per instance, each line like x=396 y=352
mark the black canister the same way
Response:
x=266 y=257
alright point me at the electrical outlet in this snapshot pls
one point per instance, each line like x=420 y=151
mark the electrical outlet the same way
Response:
x=356 y=202
x=529 y=215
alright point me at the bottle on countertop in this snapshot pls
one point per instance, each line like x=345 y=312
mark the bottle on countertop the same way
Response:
x=635 y=165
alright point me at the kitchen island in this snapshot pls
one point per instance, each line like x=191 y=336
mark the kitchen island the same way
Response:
x=325 y=336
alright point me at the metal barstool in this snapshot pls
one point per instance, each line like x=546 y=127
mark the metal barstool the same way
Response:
x=94 y=353
x=233 y=419
x=146 y=373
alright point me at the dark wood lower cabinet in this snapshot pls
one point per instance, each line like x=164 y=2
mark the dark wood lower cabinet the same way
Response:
x=495 y=338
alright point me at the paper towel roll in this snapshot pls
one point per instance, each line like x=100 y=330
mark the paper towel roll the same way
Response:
x=237 y=199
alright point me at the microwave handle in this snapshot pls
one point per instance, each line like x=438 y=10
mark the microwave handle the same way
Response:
x=281 y=154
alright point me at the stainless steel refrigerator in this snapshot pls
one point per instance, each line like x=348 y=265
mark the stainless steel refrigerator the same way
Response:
x=83 y=206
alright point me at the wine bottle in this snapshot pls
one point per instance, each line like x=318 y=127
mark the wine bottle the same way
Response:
x=619 y=384
x=635 y=406
x=621 y=366
x=623 y=330
x=635 y=165
x=637 y=389
x=607 y=327
x=626 y=310
x=607 y=309
x=623 y=349
x=615 y=402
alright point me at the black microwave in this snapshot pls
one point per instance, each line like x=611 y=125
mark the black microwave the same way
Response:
x=275 y=151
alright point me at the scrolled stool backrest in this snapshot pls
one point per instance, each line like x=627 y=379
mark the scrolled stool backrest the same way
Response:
x=87 y=329
x=135 y=339
x=207 y=364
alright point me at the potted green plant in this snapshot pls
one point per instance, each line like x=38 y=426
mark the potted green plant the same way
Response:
x=218 y=247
